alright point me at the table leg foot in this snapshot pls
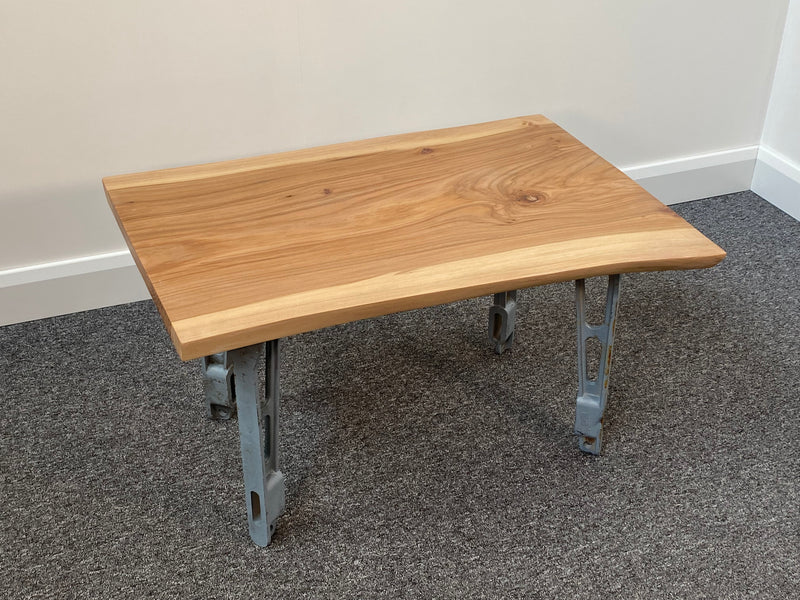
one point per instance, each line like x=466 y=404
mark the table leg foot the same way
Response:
x=219 y=386
x=502 y=318
x=593 y=390
x=258 y=398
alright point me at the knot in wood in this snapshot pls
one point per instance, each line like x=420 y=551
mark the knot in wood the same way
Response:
x=531 y=197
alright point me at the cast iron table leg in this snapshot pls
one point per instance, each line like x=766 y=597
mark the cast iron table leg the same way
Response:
x=258 y=401
x=593 y=391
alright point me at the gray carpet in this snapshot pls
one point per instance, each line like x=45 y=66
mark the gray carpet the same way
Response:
x=418 y=463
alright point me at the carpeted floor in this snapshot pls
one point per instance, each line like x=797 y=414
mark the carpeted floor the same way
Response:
x=419 y=464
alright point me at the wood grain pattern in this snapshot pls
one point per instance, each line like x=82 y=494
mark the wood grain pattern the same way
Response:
x=239 y=252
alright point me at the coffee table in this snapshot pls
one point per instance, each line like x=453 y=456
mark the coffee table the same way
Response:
x=239 y=254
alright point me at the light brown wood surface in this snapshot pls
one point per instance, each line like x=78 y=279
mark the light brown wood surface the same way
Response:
x=240 y=252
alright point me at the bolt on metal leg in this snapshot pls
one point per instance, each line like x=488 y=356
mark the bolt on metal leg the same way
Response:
x=219 y=386
x=593 y=391
x=502 y=318
x=258 y=397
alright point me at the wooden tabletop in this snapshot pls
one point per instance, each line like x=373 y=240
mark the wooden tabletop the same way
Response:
x=240 y=252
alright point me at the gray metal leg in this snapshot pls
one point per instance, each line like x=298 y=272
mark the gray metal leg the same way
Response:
x=219 y=386
x=502 y=318
x=258 y=399
x=592 y=392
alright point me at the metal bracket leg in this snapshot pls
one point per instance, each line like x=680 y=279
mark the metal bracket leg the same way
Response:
x=593 y=392
x=502 y=318
x=258 y=397
x=219 y=386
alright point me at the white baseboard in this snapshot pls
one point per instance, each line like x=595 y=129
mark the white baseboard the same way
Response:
x=61 y=287
x=699 y=176
x=66 y=268
x=777 y=180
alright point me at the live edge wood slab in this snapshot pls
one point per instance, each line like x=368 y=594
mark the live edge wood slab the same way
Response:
x=238 y=252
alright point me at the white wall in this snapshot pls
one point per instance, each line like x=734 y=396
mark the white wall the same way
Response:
x=91 y=88
x=777 y=174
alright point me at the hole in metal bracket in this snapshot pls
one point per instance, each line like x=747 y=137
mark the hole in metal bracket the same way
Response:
x=497 y=326
x=255 y=506
x=594 y=350
x=267 y=436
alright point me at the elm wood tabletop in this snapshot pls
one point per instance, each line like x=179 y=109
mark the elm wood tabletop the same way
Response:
x=241 y=252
